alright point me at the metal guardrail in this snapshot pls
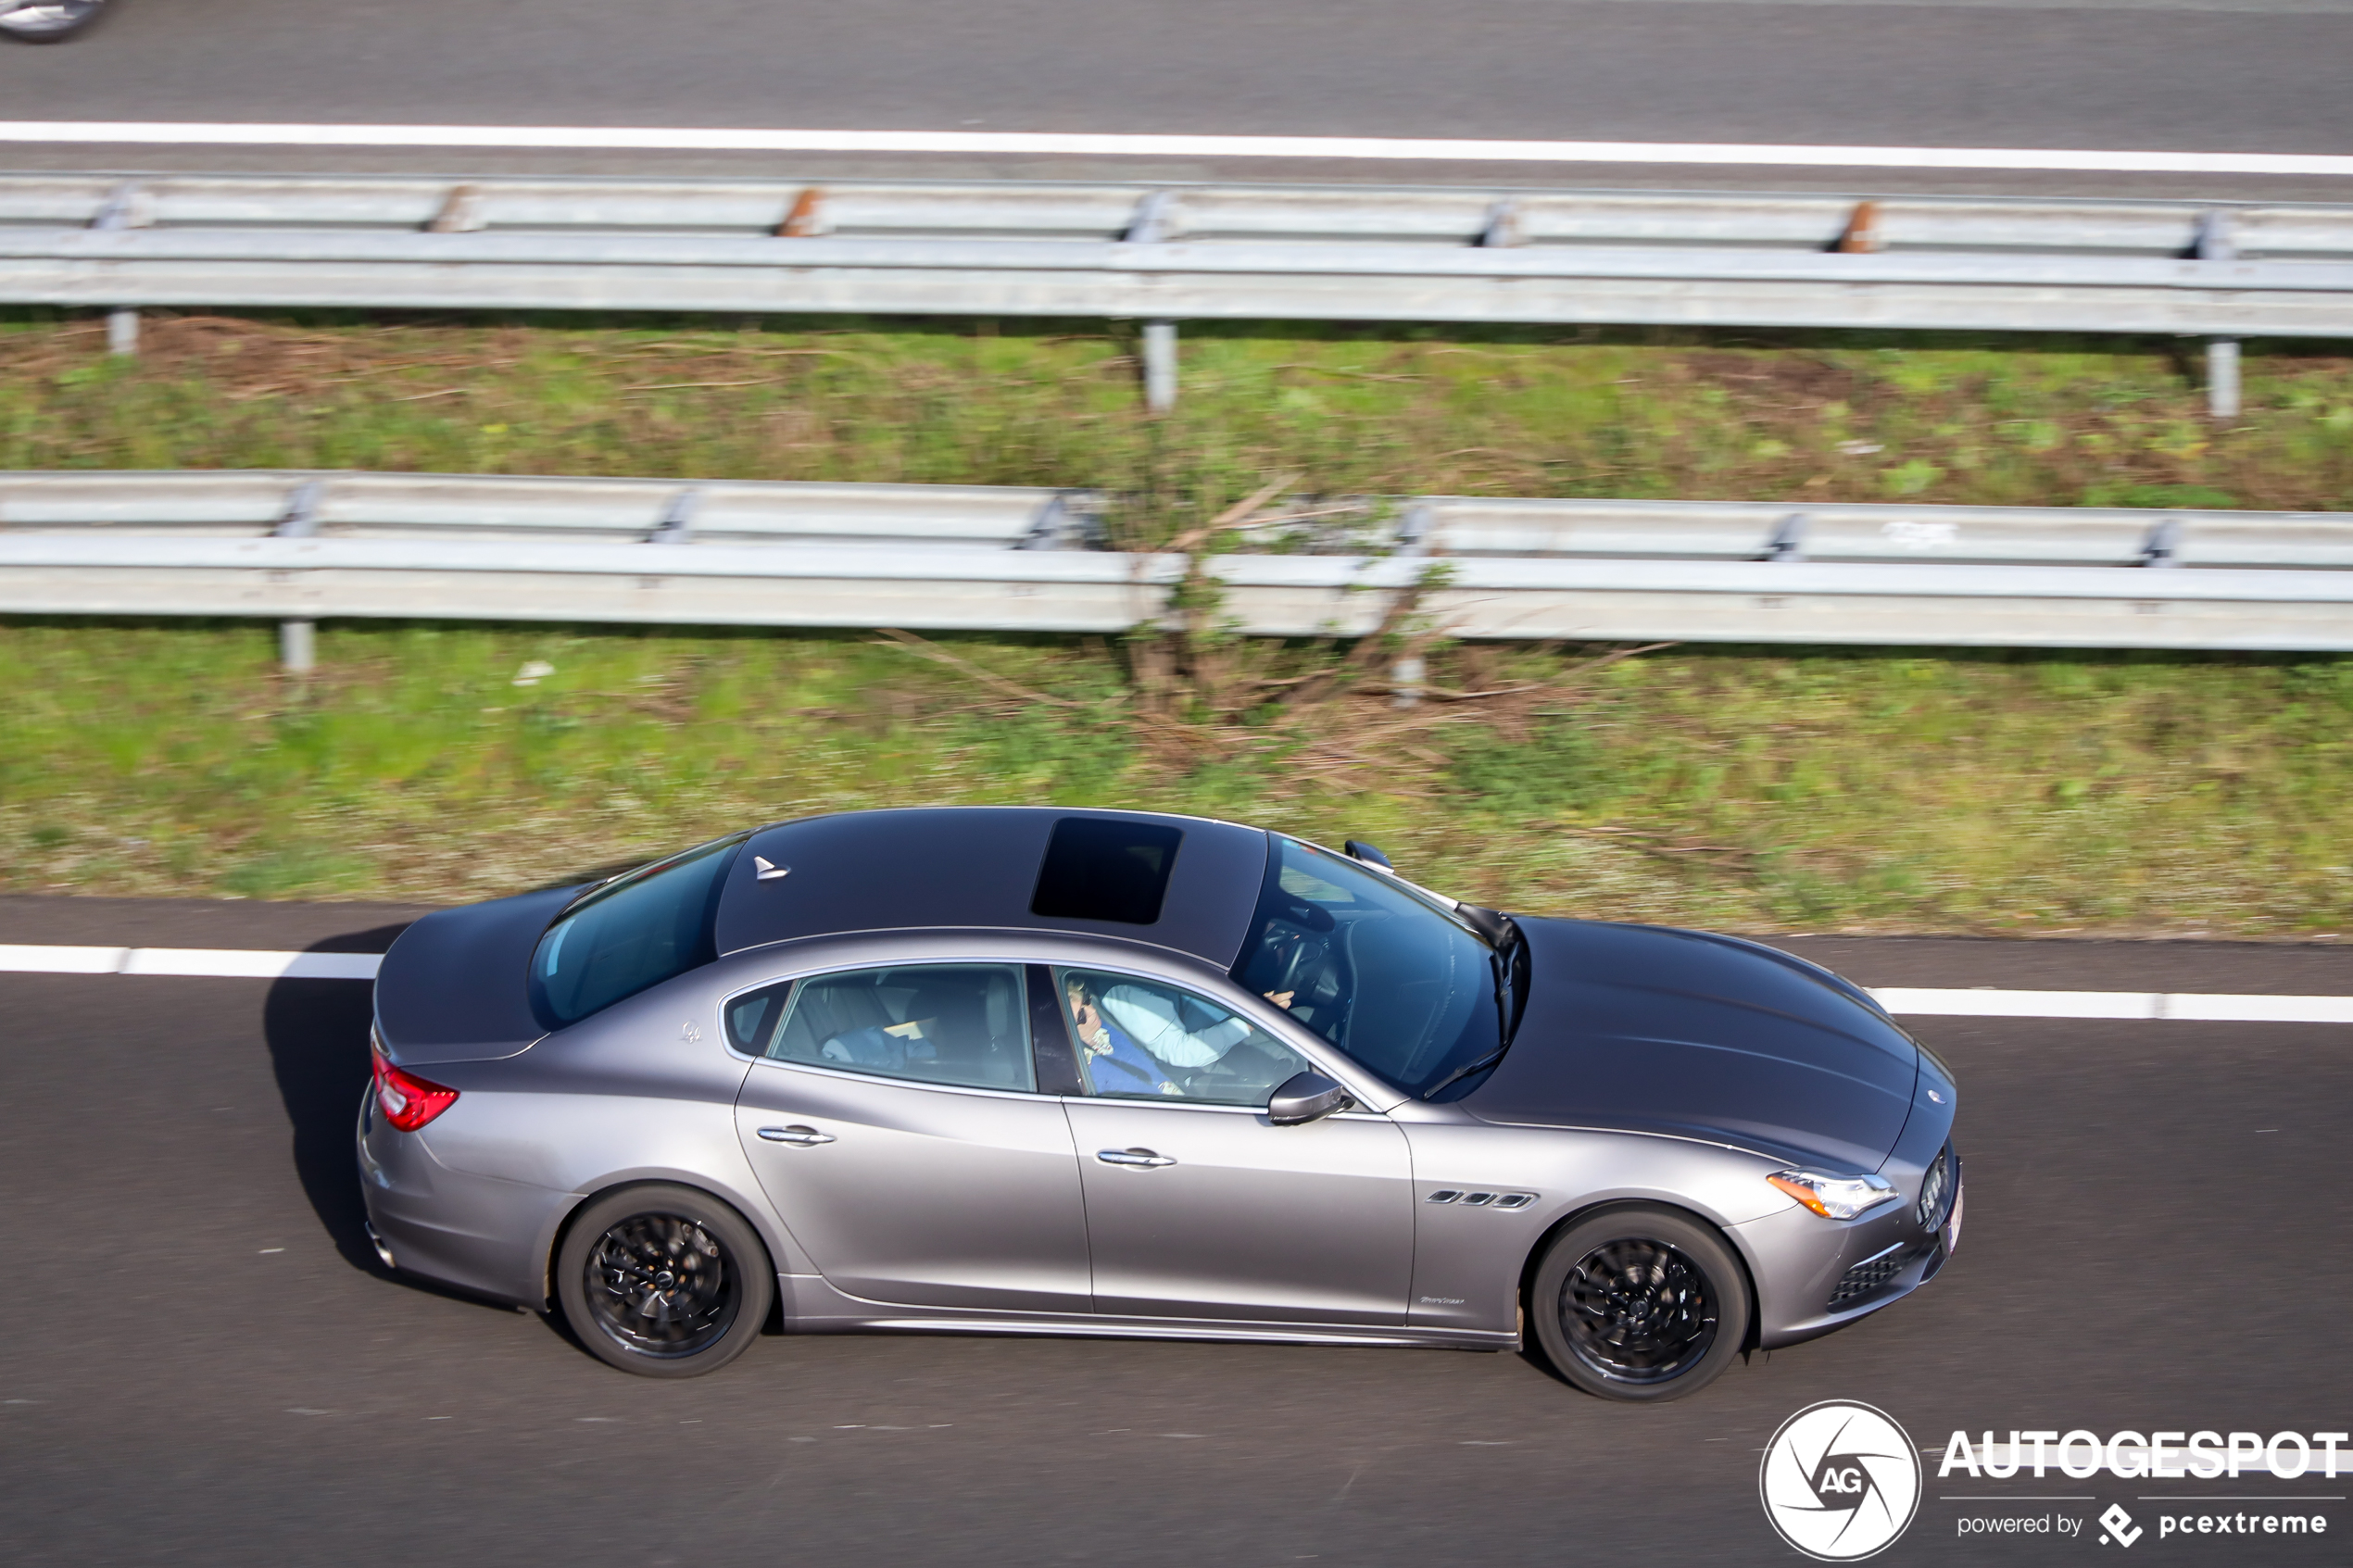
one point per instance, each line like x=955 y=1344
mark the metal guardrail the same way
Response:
x=479 y=508
x=1161 y=254
x=298 y=547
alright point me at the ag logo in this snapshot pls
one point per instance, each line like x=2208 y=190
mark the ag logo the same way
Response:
x=1839 y=1481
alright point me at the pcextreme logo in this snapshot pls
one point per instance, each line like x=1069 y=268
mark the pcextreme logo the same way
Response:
x=1840 y=1481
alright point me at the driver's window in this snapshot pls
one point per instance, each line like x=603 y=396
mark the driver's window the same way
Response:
x=1139 y=1039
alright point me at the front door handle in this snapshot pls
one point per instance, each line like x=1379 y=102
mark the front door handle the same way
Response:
x=1143 y=1156
x=803 y=1136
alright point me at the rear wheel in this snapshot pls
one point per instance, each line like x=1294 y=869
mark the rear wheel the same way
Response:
x=1639 y=1304
x=663 y=1281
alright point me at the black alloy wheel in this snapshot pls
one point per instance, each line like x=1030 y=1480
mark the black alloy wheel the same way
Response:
x=1637 y=1311
x=1639 y=1304
x=662 y=1286
x=663 y=1281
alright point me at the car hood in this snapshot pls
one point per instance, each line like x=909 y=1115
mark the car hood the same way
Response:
x=456 y=984
x=1683 y=1032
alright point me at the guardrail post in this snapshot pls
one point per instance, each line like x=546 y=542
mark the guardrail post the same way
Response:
x=1160 y=365
x=1501 y=230
x=298 y=640
x=1788 y=542
x=1862 y=236
x=299 y=645
x=1155 y=223
x=677 y=524
x=807 y=217
x=1406 y=675
x=126 y=207
x=2163 y=546
x=2215 y=243
x=460 y=212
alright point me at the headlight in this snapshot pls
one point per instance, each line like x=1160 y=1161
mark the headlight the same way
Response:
x=1834 y=1198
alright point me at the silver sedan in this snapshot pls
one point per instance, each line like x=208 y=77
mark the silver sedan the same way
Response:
x=1120 y=1073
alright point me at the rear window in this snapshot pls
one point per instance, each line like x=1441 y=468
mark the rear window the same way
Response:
x=651 y=924
x=1098 y=868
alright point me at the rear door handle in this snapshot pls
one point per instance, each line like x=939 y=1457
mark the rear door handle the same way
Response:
x=795 y=1135
x=1144 y=1157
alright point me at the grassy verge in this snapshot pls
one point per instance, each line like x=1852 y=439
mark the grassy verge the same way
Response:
x=1757 y=790
x=1763 y=790
x=1397 y=411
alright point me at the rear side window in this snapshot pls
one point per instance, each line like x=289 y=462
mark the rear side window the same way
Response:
x=964 y=1024
x=752 y=1018
x=653 y=924
x=1099 y=868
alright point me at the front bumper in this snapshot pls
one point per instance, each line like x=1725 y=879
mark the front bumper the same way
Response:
x=1814 y=1276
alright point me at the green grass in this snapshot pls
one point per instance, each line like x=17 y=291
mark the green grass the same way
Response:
x=1756 y=790
x=1548 y=412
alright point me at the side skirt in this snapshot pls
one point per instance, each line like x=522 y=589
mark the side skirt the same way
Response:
x=814 y=1305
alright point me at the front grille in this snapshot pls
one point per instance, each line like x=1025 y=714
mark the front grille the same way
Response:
x=1869 y=1276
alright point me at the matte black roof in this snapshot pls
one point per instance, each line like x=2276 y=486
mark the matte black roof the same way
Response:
x=938 y=866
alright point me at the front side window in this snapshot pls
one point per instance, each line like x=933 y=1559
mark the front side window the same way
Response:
x=1139 y=1039
x=631 y=934
x=1373 y=966
x=962 y=1023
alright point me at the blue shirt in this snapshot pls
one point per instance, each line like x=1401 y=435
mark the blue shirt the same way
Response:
x=1126 y=1069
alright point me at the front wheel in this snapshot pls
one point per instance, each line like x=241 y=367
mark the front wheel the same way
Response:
x=663 y=1281
x=1639 y=1304
x=46 y=22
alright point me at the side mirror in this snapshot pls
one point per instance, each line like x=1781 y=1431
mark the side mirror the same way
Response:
x=1306 y=1097
x=1358 y=849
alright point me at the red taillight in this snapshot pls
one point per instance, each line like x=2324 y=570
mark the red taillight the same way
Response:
x=407 y=1101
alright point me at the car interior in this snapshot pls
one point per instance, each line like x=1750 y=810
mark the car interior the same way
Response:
x=942 y=1024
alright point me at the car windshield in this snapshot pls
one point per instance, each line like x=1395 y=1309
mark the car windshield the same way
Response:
x=1383 y=972
x=633 y=933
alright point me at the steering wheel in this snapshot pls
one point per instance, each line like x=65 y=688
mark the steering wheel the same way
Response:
x=1302 y=964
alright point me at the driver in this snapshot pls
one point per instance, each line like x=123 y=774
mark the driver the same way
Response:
x=1116 y=1064
x=1149 y=1017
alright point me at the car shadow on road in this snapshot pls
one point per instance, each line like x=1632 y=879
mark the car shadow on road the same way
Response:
x=316 y=1032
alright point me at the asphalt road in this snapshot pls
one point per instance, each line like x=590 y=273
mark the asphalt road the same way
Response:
x=207 y=1366
x=2208 y=75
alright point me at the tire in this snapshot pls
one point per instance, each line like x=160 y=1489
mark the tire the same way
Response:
x=1639 y=1304
x=663 y=1281
x=47 y=22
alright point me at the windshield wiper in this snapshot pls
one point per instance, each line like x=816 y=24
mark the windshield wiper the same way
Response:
x=1510 y=960
x=1481 y=1065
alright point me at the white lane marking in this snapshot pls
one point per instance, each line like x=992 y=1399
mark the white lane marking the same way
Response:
x=2021 y=1004
x=236 y=963
x=2204 y=1008
x=2261 y=1009
x=239 y=963
x=1387 y=149
x=233 y=963
x=63 y=960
